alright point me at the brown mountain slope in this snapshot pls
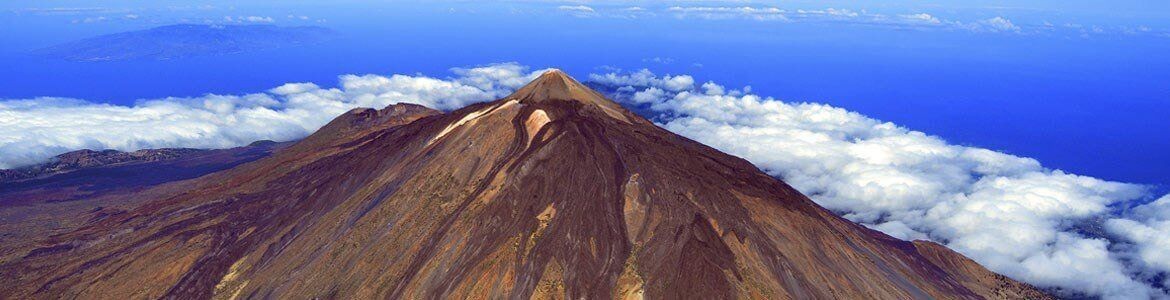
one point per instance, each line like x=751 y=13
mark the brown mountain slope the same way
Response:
x=553 y=192
x=83 y=186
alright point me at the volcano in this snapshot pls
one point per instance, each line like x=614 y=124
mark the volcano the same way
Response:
x=551 y=192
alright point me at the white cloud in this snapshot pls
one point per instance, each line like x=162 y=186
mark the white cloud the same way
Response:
x=584 y=11
x=995 y=25
x=577 y=8
x=1000 y=24
x=248 y=19
x=645 y=78
x=1006 y=212
x=91 y=20
x=33 y=130
x=830 y=12
x=660 y=60
x=845 y=16
x=581 y=11
x=922 y=18
x=1148 y=235
x=841 y=16
x=258 y=19
x=715 y=12
x=711 y=88
x=648 y=95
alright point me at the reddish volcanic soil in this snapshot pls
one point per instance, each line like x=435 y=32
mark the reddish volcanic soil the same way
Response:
x=552 y=192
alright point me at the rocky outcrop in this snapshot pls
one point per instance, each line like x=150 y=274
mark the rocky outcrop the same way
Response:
x=90 y=158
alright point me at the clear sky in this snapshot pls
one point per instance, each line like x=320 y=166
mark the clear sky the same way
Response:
x=1031 y=136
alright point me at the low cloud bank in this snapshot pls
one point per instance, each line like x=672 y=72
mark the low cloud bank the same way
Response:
x=1057 y=230
x=34 y=130
x=936 y=20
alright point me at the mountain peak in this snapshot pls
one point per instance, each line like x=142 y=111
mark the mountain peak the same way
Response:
x=557 y=85
x=556 y=72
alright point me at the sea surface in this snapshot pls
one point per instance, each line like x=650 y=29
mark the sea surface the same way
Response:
x=1097 y=106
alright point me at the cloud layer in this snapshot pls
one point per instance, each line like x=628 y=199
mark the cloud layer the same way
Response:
x=916 y=20
x=33 y=130
x=1053 y=229
x=1146 y=235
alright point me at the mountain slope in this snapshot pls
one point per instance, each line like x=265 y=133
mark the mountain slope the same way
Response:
x=552 y=192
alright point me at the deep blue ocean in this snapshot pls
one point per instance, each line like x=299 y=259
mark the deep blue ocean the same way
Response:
x=1096 y=106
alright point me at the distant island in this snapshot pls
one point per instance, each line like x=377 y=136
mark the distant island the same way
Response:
x=184 y=40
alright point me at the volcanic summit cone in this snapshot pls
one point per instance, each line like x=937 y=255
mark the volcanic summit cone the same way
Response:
x=552 y=192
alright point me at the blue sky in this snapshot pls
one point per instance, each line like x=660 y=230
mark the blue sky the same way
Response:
x=1054 y=112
